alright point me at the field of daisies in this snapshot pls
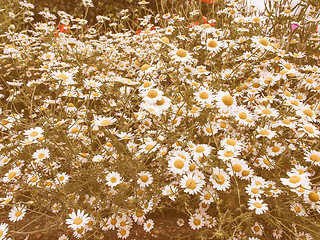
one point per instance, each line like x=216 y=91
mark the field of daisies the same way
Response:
x=213 y=118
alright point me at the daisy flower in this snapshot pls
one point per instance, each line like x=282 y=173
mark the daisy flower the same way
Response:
x=275 y=150
x=11 y=174
x=196 y=221
x=207 y=195
x=123 y=232
x=267 y=112
x=62 y=178
x=113 y=179
x=104 y=121
x=201 y=149
x=227 y=154
x=191 y=183
x=213 y=45
x=277 y=234
x=148 y=225
x=265 y=132
x=312 y=197
x=180 y=55
x=66 y=78
x=204 y=96
x=313 y=157
x=41 y=154
x=34 y=133
x=298 y=209
x=257 y=205
x=171 y=191
x=151 y=95
x=63 y=237
x=296 y=180
x=77 y=220
x=257 y=229
x=3 y=230
x=145 y=179
x=178 y=164
x=17 y=213
x=309 y=129
x=180 y=222
x=220 y=179
x=231 y=143
x=253 y=191
x=56 y=207
x=225 y=101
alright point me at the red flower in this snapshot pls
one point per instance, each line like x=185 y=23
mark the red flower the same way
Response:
x=208 y=1
x=61 y=29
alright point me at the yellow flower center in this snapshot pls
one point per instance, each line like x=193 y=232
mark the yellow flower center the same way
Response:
x=123 y=232
x=245 y=173
x=207 y=196
x=149 y=147
x=275 y=149
x=144 y=178
x=264 y=132
x=243 y=115
x=181 y=53
x=257 y=205
x=18 y=213
x=220 y=179
x=237 y=168
x=212 y=44
x=192 y=167
x=1 y=233
x=34 y=179
x=165 y=40
x=264 y=42
x=191 y=184
x=227 y=100
x=308 y=112
x=200 y=149
x=34 y=134
x=196 y=221
x=256 y=19
x=255 y=190
x=62 y=76
x=12 y=175
x=294 y=179
x=309 y=129
x=204 y=95
x=77 y=221
x=266 y=161
x=105 y=122
x=309 y=80
x=160 y=102
x=287 y=66
x=145 y=67
x=113 y=179
x=266 y=111
x=152 y=93
x=179 y=164
x=297 y=209
x=314 y=158
x=314 y=197
x=41 y=155
x=113 y=221
x=61 y=178
x=231 y=142
x=256 y=228
x=228 y=154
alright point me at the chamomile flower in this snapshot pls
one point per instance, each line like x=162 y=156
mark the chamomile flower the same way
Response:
x=224 y=101
x=265 y=132
x=309 y=129
x=257 y=229
x=214 y=45
x=63 y=237
x=313 y=156
x=312 y=197
x=204 y=96
x=191 y=183
x=230 y=143
x=253 y=191
x=277 y=234
x=207 y=195
x=41 y=154
x=220 y=179
x=151 y=95
x=170 y=191
x=178 y=164
x=236 y=166
x=148 y=225
x=196 y=221
x=3 y=230
x=201 y=149
x=77 y=220
x=298 y=209
x=11 y=175
x=123 y=232
x=17 y=213
x=113 y=179
x=34 y=133
x=104 y=121
x=296 y=180
x=145 y=179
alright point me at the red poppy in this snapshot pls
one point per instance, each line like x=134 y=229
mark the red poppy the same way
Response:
x=208 y=1
x=61 y=29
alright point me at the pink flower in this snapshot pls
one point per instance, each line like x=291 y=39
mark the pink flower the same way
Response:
x=294 y=26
